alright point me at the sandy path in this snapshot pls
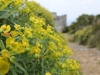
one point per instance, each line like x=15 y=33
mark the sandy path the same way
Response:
x=89 y=58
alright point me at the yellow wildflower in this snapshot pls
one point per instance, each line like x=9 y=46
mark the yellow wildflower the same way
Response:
x=15 y=46
x=4 y=66
x=5 y=53
x=36 y=21
x=35 y=50
x=27 y=10
x=14 y=33
x=38 y=44
x=28 y=32
x=63 y=65
x=32 y=18
x=73 y=64
x=9 y=41
x=25 y=42
x=52 y=46
x=5 y=28
x=21 y=49
x=49 y=28
x=67 y=50
x=32 y=50
x=17 y=27
x=47 y=73
x=17 y=2
x=57 y=54
x=4 y=3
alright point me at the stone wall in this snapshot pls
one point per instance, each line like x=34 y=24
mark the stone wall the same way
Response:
x=60 y=22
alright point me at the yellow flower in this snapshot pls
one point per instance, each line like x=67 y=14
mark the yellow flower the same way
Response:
x=49 y=28
x=47 y=73
x=4 y=3
x=15 y=46
x=25 y=42
x=67 y=50
x=38 y=44
x=27 y=10
x=21 y=49
x=9 y=41
x=57 y=54
x=5 y=53
x=17 y=2
x=32 y=49
x=32 y=18
x=35 y=50
x=14 y=33
x=17 y=27
x=52 y=46
x=4 y=66
x=36 y=21
x=28 y=32
x=63 y=65
x=5 y=28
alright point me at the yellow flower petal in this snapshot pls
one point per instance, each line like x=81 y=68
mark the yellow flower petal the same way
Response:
x=15 y=46
x=9 y=41
x=14 y=33
x=17 y=27
x=47 y=73
x=5 y=53
x=4 y=67
x=6 y=28
x=25 y=42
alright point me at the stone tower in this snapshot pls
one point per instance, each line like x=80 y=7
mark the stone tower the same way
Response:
x=60 y=22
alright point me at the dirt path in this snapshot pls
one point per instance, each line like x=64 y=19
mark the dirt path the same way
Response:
x=89 y=58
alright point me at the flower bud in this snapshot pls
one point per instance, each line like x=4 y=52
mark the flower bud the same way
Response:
x=27 y=49
x=36 y=56
x=12 y=59
x=8 y=47
x=22 y=29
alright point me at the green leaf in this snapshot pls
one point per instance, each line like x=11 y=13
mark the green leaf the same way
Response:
x=20 y=67
x=13 y=71
x=7 y=14
x=2 y=46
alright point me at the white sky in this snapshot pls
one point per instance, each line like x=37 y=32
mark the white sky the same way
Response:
x=72 y=8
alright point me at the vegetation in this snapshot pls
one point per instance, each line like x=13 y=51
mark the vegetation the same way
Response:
x=28 y=46
x=86 y=30
x=65 y=30
x=41 y=12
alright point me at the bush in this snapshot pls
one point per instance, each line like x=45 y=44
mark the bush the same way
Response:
x=41 y=12
x=92 y=42
x=30 y=47
x=82 y=36
x=65 y=30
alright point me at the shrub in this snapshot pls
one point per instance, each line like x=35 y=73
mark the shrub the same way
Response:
x=41 y=12
x=92 y=42
x=30 y=47
x=65 y=30
x=82 y=36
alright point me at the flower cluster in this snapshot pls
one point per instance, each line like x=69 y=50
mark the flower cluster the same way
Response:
x=33 y=48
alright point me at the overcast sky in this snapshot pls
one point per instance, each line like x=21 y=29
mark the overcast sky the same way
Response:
x=72 y=8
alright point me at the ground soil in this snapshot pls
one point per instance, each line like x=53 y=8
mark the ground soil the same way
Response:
x=89 y=58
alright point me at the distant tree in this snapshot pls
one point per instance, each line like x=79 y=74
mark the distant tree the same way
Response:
x=82 y=21
x=65 y=29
